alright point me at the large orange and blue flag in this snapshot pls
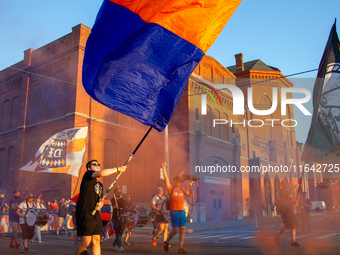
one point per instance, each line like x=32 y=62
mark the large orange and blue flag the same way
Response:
x=140 y=54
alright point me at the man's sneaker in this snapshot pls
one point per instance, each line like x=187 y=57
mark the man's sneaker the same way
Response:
x=11 y=246
x=121 y=249
x=166 y=246
x=39 y=241
x=114 y=247
x=84 y=253
x=154 y=242
x=182 y=251
x=26 y=250
x=17 y=246
x=295 y=244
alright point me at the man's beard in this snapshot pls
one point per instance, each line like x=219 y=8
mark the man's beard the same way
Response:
x=17 y=197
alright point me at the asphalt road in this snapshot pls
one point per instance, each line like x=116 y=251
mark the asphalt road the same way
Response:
x=242 y=237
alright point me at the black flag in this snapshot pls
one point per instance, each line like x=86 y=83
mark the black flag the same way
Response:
x=324 y=133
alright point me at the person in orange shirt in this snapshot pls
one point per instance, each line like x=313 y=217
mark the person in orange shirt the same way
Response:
x=53 y=207
x=177 y=212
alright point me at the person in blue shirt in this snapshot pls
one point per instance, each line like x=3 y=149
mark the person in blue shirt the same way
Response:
x=14 y=217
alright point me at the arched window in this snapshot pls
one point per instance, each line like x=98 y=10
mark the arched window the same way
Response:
x=6 y=113
x=2 y=160
x=15 y=112
x=216 y=131
x=208 y=122
x=197 y=114
x=0 y=116
x=225 y=128
x=11 y=158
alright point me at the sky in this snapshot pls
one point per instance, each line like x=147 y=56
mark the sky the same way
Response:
x=289 y=35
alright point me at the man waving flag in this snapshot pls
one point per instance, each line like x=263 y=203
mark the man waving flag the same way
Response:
x=140 y=54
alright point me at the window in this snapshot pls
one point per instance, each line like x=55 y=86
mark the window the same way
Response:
x=216 y=131
x=11 y=158
x=225 y=128
x=6 y=116
x=15 y=112
x=197 y=114
x=2 y=160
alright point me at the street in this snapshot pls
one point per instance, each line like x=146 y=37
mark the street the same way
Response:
x=225 y=237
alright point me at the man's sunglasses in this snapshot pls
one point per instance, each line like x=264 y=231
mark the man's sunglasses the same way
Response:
x=95 y=164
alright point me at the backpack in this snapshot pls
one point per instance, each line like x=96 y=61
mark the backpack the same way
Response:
x=167 y=203
x=168 y=199
x=153 y=211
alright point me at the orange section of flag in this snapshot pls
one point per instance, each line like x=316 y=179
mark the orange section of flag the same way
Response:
x=76 y=145
x=61 y=170
x=197 y=21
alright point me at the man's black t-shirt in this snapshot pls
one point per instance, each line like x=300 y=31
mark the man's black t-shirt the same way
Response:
x=120 y=210
x=90 y=192
x=62 y=212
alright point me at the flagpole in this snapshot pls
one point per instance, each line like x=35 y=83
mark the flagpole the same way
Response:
x=300 y=181
x=119 y=174
x=166 y=150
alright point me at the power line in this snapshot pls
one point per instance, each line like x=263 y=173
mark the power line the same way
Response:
x=40 y=75
x=257 y=82
x=193 y=78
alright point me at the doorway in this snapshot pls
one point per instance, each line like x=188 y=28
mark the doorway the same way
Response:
x=217 y=209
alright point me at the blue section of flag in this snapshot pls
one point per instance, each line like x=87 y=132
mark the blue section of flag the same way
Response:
x=136 y=68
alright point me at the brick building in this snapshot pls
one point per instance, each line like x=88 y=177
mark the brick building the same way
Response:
x=273 y=143
x=43 y=95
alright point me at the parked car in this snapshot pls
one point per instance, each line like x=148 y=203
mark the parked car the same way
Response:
x=143 y=216
x=318 y=206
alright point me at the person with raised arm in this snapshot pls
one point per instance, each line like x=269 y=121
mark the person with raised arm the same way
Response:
x=177 y=212
x=89 y=227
